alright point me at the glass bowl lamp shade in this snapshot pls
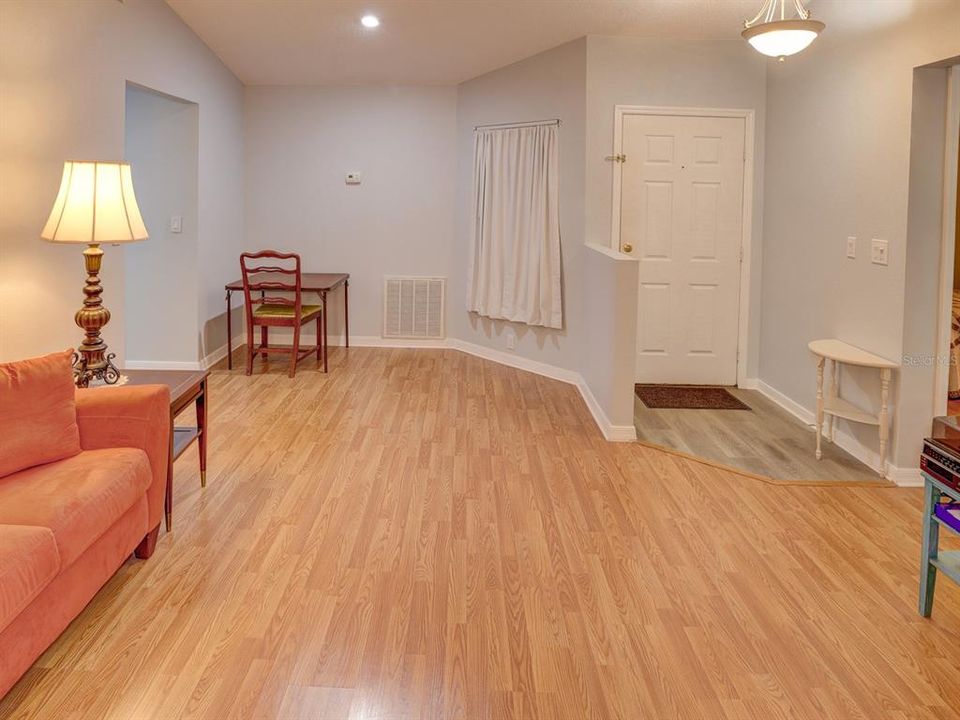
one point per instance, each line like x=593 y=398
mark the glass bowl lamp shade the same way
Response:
x=96 y=204
x=774 y=34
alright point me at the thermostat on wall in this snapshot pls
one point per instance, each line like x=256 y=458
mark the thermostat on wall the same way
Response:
x=353 y=178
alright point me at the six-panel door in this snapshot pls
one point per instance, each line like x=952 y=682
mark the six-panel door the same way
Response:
x=681 y=210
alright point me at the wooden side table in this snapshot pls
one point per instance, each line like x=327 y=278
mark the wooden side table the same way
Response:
x=833 y=406
x=186 y=386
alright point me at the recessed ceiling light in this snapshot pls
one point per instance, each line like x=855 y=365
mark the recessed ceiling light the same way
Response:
x=370 y=21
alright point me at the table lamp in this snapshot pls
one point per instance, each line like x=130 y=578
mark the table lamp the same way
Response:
x=95 y=205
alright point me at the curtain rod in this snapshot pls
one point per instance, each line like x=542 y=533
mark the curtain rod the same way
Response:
x=531 y=123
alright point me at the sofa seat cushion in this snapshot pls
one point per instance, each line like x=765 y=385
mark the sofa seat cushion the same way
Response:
x=28 y=562
x=78 y=498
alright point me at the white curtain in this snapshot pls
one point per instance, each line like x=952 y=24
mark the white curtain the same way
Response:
x=514 y=271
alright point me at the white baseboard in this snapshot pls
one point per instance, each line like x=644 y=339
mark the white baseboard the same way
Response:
x=613 y=433
x=516 y=361
x=220 y=353
x=902 y=477
x=376 y=341
x=160 y=365
x=205 y=364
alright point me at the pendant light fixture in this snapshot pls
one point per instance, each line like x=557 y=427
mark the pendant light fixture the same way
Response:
x=774 y=34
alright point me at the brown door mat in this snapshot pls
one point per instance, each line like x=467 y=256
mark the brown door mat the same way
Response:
x=688 y=397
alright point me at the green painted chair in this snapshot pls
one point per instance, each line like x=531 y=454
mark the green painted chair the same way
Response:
x=265 y=306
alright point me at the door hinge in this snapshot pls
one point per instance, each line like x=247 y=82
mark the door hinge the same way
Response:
x=619 y=157
x=741 y=253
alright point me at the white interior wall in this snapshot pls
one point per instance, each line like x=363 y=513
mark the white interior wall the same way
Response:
x=925 y=213
x=548 y=85
x=300 y=144
x=160 y=299
x=832 y=115
x=665 y=72
x=838 y=165
x=63 y=72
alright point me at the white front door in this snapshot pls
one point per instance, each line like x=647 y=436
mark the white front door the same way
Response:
x=681 y=214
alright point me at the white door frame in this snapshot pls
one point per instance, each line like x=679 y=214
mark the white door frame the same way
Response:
x=947 y=243
x=619 y=112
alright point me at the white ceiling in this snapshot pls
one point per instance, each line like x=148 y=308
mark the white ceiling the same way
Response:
x=321 y=42
x=317 y=42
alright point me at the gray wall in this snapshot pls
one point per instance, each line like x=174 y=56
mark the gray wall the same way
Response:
x=923 y=256
x=672 y=73
x=548 y=85
x=63 y=72
x=838 y=165
x=301 y=142
x=161 y=306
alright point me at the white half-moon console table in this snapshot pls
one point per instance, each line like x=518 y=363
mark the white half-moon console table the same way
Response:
x=833 y=406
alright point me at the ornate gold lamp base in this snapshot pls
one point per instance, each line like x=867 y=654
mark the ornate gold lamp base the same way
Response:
x=91 y=361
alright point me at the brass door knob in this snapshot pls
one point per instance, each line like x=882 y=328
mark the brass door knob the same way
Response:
x=627 y=247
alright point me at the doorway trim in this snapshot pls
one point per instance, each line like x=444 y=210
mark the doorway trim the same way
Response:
x=746 y=222
x=951 y=178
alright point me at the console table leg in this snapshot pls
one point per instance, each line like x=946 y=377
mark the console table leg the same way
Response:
x=820 y=363
x=202 y=432
x=834 y=393
x=168 y=491
x=884 y=418
x=229 y=335
x=931 y=537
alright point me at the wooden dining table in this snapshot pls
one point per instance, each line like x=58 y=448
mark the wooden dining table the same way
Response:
x=320 y=283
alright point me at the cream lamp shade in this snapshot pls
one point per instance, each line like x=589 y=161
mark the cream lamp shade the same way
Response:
x=96 y=204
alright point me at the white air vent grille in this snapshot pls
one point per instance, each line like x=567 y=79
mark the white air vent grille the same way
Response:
x=413 y=307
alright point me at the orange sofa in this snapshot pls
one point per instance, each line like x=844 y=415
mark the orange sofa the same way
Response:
x=66 y=526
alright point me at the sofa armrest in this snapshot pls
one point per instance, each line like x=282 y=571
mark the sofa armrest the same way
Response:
x=137 y=417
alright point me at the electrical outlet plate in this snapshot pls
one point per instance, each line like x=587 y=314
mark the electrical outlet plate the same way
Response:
x=879 y=252
x=511 y=340
x=353 y=178
x=851 y=247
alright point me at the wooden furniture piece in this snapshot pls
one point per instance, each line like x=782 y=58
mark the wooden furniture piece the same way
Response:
x=940 y=469
x=833 y=406
x=277 y=310
x=320 y=283
x=186 y=386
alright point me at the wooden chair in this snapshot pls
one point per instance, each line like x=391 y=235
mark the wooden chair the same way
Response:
x=265 y=311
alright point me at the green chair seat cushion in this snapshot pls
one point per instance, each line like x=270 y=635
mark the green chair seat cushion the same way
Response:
x=284 y=311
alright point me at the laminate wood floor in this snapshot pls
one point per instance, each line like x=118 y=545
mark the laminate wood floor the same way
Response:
x=766 y=440
x=424 y=534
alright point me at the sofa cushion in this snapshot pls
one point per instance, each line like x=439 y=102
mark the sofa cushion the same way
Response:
x=28 y=562
x=78 y=498
x=38 y=417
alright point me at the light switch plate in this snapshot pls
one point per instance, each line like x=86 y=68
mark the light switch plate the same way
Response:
x=353 y=178
x=879 y=252
x=851 y=247
x=176 y=224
